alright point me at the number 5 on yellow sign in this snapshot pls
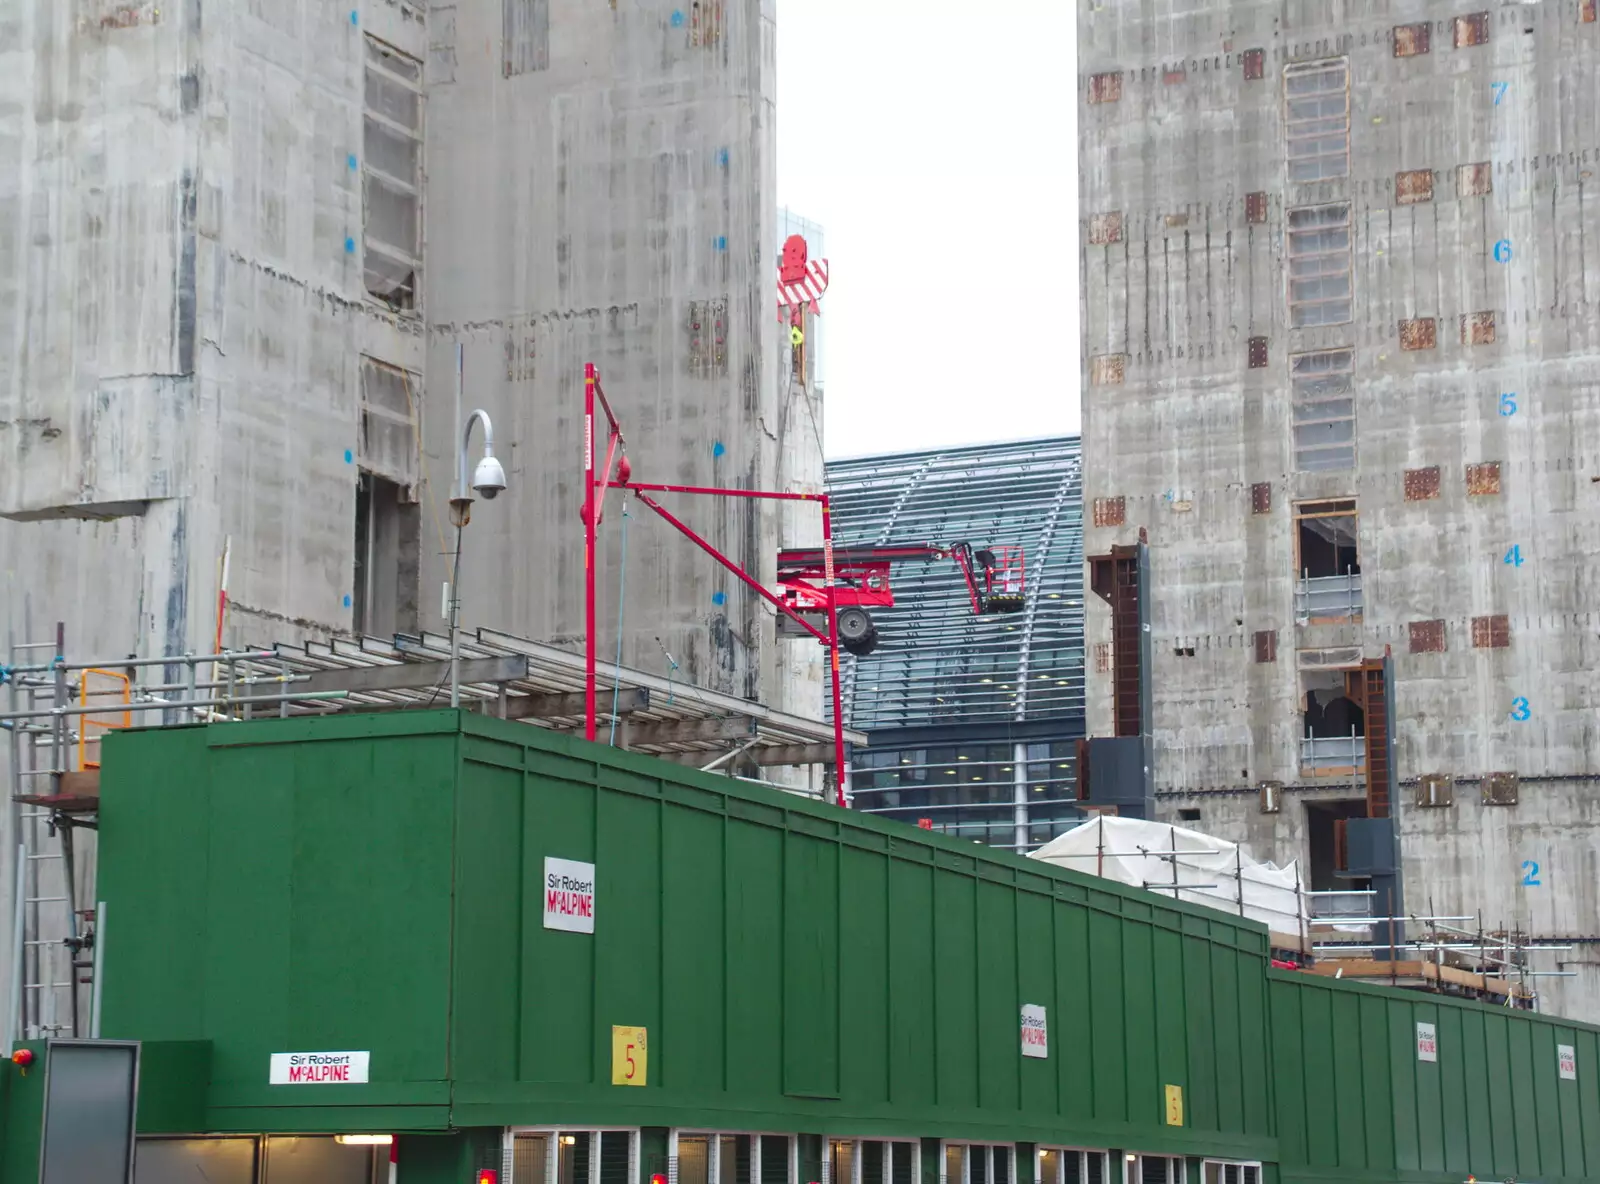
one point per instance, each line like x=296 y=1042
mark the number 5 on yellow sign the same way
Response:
x=630 y=1061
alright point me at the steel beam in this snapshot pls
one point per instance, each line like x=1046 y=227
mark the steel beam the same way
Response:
x=409 y=676
x=571 y=706
x=699 y=731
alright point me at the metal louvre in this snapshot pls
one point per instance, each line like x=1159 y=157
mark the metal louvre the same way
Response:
x=937 y=662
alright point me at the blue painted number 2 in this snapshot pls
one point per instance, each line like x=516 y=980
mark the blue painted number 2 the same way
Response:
x=1508 y=403
x=1514 y=556
x=1531 y=877
x=1520 y=709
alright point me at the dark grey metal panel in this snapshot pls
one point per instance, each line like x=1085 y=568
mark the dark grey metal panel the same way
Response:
x=90 y=1095
x=1117 y=775
x=195 y=1161
x=1146 y=697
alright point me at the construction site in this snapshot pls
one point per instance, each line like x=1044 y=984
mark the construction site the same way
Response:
x=1341 y=438
x=411 y=428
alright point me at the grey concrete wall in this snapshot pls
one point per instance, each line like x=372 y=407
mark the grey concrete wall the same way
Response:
x=1192 y=426
x=580 y=212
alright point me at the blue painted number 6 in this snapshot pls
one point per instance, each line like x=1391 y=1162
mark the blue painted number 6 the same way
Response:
x=1502 y=251
x=1520 y=709
x=1508 y=403
x=1531 y=879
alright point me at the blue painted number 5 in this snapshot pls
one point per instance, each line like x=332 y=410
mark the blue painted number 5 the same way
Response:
x=1508 y=403
x=1531 y=878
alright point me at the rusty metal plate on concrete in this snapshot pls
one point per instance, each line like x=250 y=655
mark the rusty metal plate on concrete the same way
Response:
x=1110 y=511
x=1266 y=645
x=1472 y=30
x=1105 y=228
x=1102 y=657
x=1499 y=789
x=1410 y=40
x=1413 y=187
x=1477 y=328
x=1422 y=484
x=1258 y=352
x=1474 y=180
x=1255 y=207
x=1491 y=633
x=1107 y=369
x=1586 y=12
x=1105 y=88
x=1175 y=77
x=1255 y=64
x=1418 y=333
x=1261 y=497
x=1427 y=637
x=1483 y=478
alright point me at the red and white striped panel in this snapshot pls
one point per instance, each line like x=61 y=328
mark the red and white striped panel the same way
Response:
x=807 y=289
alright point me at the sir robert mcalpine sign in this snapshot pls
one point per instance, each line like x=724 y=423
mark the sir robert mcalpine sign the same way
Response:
x=318 y=1068
x=568 y=895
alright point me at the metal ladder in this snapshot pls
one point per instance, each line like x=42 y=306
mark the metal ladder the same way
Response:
x=50 y=944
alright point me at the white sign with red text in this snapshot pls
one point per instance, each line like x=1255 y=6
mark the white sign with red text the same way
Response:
x=318 y=1068
x=1567 y=1062
x=568 y=895
x=1035 y=1034
x=1427 y=1043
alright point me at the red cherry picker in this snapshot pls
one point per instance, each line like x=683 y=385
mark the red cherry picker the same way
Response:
x=994 y=577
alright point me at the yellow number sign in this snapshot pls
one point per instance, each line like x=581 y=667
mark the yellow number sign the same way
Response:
x=630 y=1063
x=1174 y=1105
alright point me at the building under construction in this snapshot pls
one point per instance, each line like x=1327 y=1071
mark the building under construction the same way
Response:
x=1342 y=446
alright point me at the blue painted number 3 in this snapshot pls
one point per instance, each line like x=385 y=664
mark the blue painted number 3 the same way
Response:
x=1520 y=709
x=1530 y=877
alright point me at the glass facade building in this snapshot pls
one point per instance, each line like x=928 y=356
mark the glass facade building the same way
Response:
x=972 y=719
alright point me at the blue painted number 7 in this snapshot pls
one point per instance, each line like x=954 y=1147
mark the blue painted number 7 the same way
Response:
x=1499 y=91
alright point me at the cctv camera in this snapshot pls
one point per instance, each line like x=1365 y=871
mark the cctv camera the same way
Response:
x=488 y=479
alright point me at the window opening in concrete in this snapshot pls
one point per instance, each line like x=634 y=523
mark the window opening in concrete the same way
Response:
x=320 y=1159
x=1319 y=265
x=1324 y=410
x=1325 y=823
x=1188 y=814
x=182 y=1161
x=392 y=176
x=388 y=573
x=1329 y=586
x=1332 y=723
x=389 y=415
x=1317 y=119
x=525 y=37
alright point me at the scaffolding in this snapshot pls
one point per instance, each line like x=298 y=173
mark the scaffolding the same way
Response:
x=56 y=711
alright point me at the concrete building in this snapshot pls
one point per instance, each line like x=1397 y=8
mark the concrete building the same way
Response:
x=240 y=246
x=972 y=719
x=1340 y=357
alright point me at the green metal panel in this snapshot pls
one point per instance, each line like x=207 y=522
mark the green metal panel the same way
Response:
x=1377 y=1092
x=1453 y=1091
x=1108 y=1048
x=1074 y=1005
x=1348 y=1083
x=1145 y=1101
x=811 y=967
x=913 y=985
x=694 y=973
x=1523 y=1104
x=1036 y=983
x=865 y=1011
x=1203 y=1085
x=1229 y=1027
x=999 y=999
x=1502 y=1118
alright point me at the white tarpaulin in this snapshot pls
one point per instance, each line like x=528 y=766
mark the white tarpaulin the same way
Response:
x=1208 y=871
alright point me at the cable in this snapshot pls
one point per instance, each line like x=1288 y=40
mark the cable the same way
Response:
x=622 y=600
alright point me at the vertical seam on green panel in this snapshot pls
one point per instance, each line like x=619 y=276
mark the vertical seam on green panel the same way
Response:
x=455 y=897
x=727 y=995
x=1016 y=1006
x=933 y=944
x=661 y=935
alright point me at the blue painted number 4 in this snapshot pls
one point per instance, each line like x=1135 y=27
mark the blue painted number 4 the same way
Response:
x=1514 y=556
x=1530 y=869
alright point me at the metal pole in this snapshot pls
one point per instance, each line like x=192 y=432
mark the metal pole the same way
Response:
x=589 y=378
x=1019 y=792
x=841 y=772
x=455 y=588
x=99 y=968
x=14 y=1030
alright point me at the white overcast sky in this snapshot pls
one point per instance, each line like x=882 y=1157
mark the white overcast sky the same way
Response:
x=935 y=142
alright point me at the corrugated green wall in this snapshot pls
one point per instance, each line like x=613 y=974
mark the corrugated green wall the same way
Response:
x=796 y=965
x=333 y=884
x=1353 y=1100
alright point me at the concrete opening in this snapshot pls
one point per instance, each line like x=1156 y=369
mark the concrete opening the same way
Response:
x=1333 y=723
x=388 y=574
x=1327 y=560
x=1325 y=848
